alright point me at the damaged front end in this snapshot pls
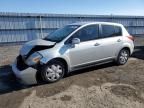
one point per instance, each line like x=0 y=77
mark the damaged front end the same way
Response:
x=27 y=63
x=24 y=73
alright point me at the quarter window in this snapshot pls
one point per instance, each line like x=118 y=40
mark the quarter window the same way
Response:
x=111 y=31
x=118 y=31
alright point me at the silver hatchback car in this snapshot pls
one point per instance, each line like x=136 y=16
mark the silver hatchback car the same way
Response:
x=70 y=48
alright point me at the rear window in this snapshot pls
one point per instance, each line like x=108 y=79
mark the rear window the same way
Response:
x=111 y=31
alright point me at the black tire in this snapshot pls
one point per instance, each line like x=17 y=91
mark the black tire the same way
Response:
x=123 y=57
x=48 y=72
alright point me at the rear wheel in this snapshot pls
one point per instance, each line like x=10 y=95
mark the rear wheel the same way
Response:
x=123 y=57
x=53 y=71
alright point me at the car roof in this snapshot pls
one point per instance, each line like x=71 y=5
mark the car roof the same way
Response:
x=89 y=23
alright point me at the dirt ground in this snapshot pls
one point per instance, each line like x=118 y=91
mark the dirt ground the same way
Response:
x=105 y=86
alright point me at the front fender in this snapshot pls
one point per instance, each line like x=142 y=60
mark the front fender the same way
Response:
x=45 y=60
x=62 y=53
x=48 y=55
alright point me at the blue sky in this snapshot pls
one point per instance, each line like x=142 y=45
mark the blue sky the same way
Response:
x=97 y=7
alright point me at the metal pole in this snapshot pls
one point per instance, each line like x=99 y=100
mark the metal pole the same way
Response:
x=41 y=31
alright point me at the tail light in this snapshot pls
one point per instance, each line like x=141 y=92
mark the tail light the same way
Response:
x=130 y=37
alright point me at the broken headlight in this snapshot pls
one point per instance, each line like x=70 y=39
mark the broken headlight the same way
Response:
x=33 y=59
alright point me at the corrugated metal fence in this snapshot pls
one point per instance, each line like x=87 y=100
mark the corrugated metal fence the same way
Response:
x=22 y=27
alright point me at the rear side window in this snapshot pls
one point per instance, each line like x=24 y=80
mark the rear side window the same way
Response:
x=111 y=31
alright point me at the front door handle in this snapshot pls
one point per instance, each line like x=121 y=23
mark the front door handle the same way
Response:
x=96 y=44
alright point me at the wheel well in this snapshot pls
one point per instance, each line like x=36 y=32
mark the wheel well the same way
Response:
x=64 y=62
x=127 y=48
x=38 y=73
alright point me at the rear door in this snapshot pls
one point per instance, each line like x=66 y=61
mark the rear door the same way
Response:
x=111 y=39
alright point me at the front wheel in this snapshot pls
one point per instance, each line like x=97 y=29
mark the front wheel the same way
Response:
x=53 y=71
x=123 y=57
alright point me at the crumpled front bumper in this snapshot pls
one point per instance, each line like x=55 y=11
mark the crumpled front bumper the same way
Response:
x=27 y=76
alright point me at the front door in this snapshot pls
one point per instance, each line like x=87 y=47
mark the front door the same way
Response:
x=89 y=49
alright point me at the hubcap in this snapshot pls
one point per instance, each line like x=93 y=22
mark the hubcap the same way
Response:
x=54 y=72
x=123 y=57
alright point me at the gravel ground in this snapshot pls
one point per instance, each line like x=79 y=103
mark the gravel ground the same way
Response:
x=105 y=86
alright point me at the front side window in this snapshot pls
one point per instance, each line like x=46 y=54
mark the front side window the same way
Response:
x=61 y=33
x=87 y=33
x=111 y=31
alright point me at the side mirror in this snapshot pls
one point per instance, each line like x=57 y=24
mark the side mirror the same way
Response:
x=75 y=41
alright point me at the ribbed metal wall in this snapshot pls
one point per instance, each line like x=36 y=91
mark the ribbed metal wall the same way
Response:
x=21 y=27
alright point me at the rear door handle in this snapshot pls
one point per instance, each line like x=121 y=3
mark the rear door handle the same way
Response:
x=119 y=40
x=96 y=44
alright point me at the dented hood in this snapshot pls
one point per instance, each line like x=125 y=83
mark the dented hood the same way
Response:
x=41 y=44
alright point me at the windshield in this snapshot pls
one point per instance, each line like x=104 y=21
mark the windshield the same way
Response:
x=61 y=33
